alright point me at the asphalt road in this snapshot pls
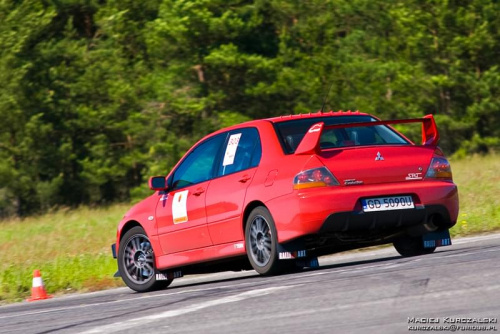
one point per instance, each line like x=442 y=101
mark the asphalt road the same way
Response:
x=358 y=292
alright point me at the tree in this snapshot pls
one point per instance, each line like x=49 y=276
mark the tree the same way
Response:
x=97 y=96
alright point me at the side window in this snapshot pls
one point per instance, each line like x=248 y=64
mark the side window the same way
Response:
x=198 y=166
x=242 y=150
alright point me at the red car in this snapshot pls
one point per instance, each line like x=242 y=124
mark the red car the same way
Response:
x=274 y=194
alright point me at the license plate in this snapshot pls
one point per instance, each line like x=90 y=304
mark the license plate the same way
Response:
x=387 y=203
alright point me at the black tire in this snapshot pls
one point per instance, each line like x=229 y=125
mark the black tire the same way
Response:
x=261 y=242
x=412 y=246
x=136 y=262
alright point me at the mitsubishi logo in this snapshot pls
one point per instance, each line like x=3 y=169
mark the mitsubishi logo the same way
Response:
x=379 y=157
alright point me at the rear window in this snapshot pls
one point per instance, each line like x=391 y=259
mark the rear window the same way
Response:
x=290 y=133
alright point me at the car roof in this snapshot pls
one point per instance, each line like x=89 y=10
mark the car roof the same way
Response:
x=315 y=115
x=285 y=118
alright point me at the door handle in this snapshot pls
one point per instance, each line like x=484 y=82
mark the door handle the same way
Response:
x=244 y=178
x=199 y=191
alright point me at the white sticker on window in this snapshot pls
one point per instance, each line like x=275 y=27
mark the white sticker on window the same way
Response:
x=179 y=208
x=232 y=145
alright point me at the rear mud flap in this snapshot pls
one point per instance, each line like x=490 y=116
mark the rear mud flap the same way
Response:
x=437 y=239
x=291 y=251
x=308 y=263
x=295 y=251
x=168 y=275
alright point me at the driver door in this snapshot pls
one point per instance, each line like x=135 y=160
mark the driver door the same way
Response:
x=180 y=213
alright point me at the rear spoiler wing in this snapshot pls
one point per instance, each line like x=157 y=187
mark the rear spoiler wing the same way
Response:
x=310 y=142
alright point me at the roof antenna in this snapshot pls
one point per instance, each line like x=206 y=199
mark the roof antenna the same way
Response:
x=326 y=98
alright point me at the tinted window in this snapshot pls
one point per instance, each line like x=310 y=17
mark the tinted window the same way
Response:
x=198 y=166
x=242 y=150
x=291 y=133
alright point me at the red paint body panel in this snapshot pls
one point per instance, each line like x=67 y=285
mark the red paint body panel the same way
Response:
x=214 y=227
x=359 y=163
x=200 y=255
x=192 y=234
x=310 y=142
x=225 y=200
x=139 y=214
x=306 y=210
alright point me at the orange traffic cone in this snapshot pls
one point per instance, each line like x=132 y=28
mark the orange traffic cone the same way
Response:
x=38 y=290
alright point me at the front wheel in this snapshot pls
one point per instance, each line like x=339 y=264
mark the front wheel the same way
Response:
x=261 y=242
x=136 y=262
x=412 y=246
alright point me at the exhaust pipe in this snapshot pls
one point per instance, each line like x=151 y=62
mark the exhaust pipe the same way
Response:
x=427 y=227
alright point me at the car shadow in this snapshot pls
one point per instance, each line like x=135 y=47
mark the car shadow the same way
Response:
x=255 y=275
x=250 y=274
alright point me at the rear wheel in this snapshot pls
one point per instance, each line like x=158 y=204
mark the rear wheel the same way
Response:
x=261 y=242
x=136 y=262
x=412 y=246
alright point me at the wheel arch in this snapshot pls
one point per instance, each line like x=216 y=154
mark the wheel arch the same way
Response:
x=128 y=226
x=250 y=206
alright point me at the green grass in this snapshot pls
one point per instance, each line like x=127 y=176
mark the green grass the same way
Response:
x=478 y=180
x=72 y=247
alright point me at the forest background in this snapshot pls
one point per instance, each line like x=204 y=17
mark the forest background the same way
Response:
x=96 y=96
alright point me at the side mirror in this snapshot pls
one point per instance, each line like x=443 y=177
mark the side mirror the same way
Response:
x=158 y=183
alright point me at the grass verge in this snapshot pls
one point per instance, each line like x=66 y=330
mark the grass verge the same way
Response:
x=72 y=247
x=478 y=180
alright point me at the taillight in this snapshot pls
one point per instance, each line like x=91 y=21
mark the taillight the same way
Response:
x=439 y=169
x=316 y=177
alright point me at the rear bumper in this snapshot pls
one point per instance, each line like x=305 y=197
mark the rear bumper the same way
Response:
x=338 y=209
x=355 y=221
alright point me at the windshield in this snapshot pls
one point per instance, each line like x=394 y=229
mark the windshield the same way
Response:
x=290 y=133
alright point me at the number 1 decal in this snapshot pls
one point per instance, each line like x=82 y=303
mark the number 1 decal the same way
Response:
x=179 y=207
